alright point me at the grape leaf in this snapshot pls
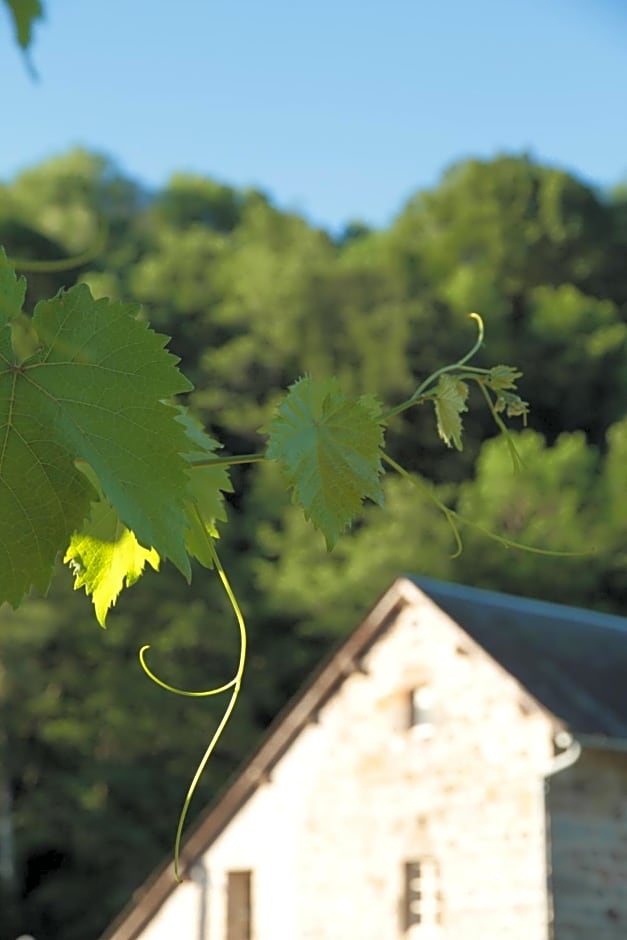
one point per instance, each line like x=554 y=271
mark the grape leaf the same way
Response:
x=204 y=504
x=24 y=13
x=43 y=497
x=105 y=556
x=512 y=405
x=450 y=403
x=12 y=292
x=91 y=392
x=329 y=447
x=503 y=377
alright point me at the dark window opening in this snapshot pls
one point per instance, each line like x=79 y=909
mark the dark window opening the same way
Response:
x=239 y=905
x=423 y=897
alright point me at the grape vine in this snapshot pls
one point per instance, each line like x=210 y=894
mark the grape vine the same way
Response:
x=100 y=464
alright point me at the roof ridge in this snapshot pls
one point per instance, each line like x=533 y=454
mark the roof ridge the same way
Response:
x=585 y=615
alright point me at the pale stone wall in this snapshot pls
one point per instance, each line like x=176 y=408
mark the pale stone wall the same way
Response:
x=359 y=794
x=178 y=918
x=588 y=822
x=471 y=795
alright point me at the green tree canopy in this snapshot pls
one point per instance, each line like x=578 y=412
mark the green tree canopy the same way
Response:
x=253 y=297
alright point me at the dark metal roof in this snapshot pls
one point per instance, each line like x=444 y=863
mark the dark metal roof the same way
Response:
x=572 y=661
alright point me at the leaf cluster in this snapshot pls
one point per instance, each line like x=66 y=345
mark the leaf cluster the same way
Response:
x=97 y=462
x=94 y=459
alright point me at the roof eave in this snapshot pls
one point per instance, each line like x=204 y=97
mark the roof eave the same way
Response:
x=601 y=742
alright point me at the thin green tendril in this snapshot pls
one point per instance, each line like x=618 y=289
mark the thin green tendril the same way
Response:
x=449 y=514
x=454 y=519
x=520 y=546
x=196 y=462
x=418 y=395
x=172 y=688
x=234 y=684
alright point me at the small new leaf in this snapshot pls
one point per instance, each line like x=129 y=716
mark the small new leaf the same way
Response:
x=512 y=405
x=503 y=377
x=450 y=403
x=329 y=447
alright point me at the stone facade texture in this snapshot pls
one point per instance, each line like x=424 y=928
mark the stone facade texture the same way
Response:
x=525 y=847
x=587 y=808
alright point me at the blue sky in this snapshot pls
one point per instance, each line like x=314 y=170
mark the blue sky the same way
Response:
x=338 y=108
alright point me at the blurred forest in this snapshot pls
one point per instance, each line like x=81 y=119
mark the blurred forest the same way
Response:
x=95 y=758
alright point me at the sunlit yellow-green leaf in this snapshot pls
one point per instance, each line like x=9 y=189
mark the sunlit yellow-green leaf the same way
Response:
x=105 y=557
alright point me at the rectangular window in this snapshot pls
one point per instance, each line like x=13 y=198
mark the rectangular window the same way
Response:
x=239 y=905
x=423 y=897
x=421 y=706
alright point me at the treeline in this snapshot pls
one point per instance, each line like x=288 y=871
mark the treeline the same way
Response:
x=94 y=759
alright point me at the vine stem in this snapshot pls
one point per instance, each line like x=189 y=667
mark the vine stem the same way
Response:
x=422 y=388
x=172 y=688
x=234 y=685
x=449 y=514
x=516 y=458
x=195 y=463
x=453 y=517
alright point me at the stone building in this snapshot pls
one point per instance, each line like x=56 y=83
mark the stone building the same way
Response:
x=457 y=770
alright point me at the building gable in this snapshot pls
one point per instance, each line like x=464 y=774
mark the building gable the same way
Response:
x=572 y=661
x=345 y=749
